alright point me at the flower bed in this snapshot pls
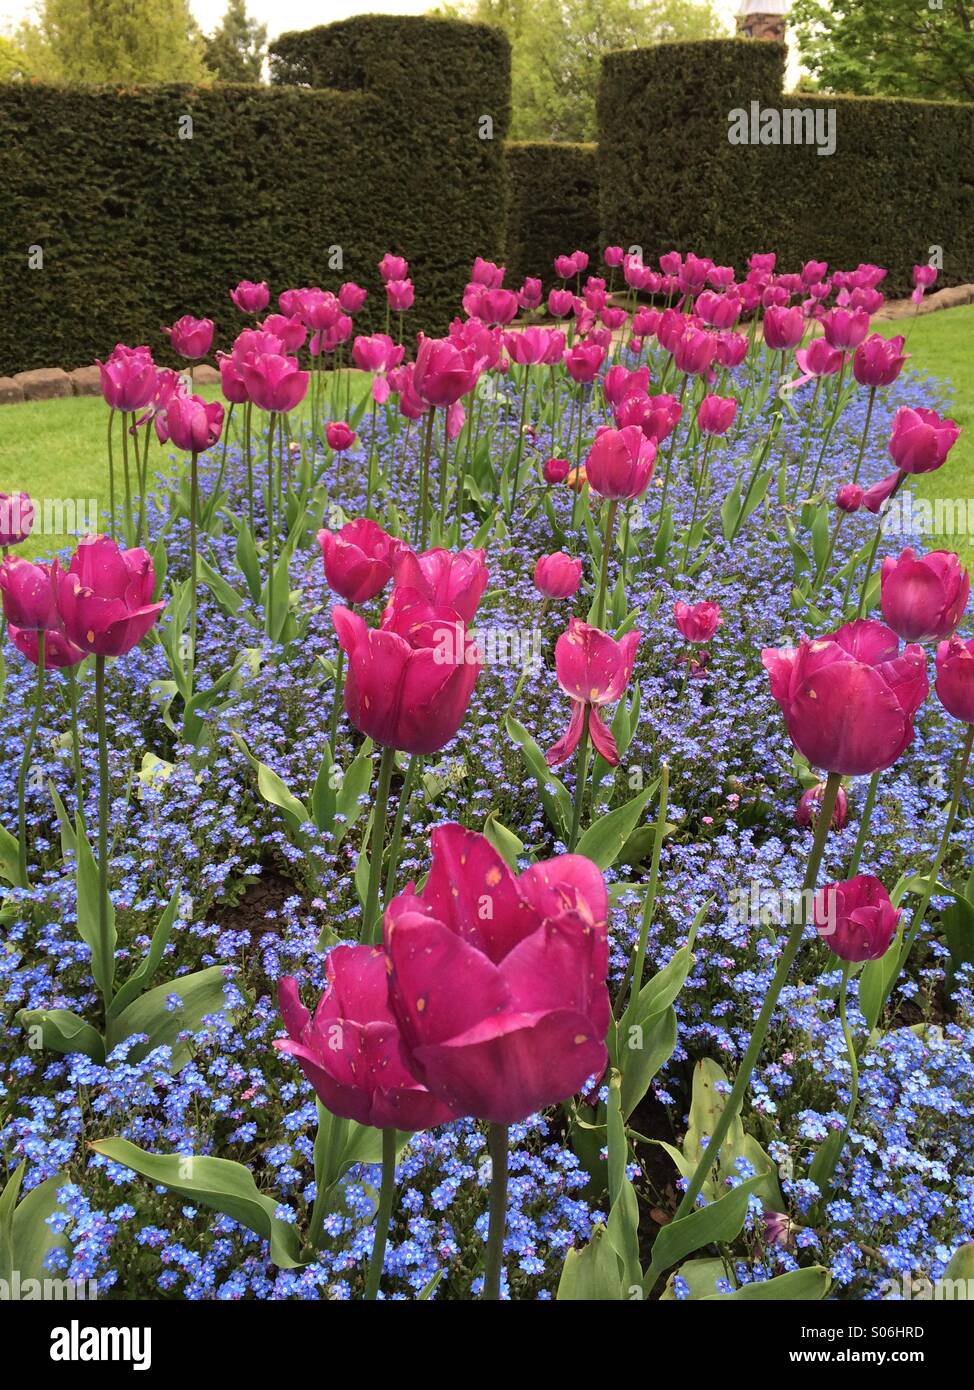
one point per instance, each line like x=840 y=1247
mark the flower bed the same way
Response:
x=253 y=824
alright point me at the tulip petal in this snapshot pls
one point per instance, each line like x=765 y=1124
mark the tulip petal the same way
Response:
x=440 y=985
x=472 y=891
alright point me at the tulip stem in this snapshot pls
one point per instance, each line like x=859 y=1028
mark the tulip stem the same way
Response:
x=696 y=503
x=25 y=760
x=805 y=437
x=520 y=443
x=864 y=819
x=871 y=558
x=829 y=427
x=421 y=529
x=128 y=480
x=610 y=521
x=669 y=460
x=581 y=777
x=387 y=765
x=736 y=1098
x=497 y=1148
x=194 y=498
x=271 y=529
x=111 y=474
x=924 y=903
x=369 y=509
x=103 y=801
x=79 y=791
x=634 y=970
x=248 y=409
x=405 y=793
x=383 y=1214
x=823 y=1180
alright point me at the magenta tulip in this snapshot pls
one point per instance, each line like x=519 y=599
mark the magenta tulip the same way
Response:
x=232 y=383
x=955 y=678
x=620 y=463
x=443 y=578
x=105 y=596
x=275 y=382
x=849 y=699
x=251 y=298
x=556 y=470
x=878 y=361
x=393 y=267
x=443 y=373
x=699 y=622
x=340 y=436
x=358 y=559
x=845 y=328
x=59 y=653
x=28 y=594
x=849 y=497
x=810 y=804
x=400 y=295
x=583 y=360
x=128 y=378
x=783 y=328
x=818 y=358
x=856 y=919
x=351 y=1051
x=191 y=337
x=920 y=440
x=16 y=518
x=292 y=331
x=502 y=1011
x=193 y=424
x=924 y=596
x=593 y=669
x=693 y=350
x=409 y=681
x=351 y=297
x=874 y=498
x=715 y=414
x=557 y=575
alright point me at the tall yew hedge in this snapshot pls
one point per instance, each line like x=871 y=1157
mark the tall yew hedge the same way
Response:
x=136 y=225
x=901 y=179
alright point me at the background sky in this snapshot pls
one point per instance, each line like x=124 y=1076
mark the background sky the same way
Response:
x=281 y=15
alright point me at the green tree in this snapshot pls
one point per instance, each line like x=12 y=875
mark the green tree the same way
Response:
x=14 y=63
x=895 y=48
x=235 y=50
x=114 y=41
x=557 y=48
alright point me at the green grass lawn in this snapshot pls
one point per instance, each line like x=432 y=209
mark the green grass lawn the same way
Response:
x=58 y=449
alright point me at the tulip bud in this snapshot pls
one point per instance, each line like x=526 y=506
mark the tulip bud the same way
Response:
x=556 y=470
x=924 y=597
x=558 y=575
x=340 y=436
x=699 y=623
x=810 y=805
x=856 y=919
x=849 y=498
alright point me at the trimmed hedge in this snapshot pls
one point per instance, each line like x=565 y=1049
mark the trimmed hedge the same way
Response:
x=138 y=226
x=901 y=179
x=554 y=206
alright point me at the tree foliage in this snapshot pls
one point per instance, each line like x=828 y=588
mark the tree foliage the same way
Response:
x=235 y=50
x=905 y=48
x=113 y=41
x=558 y=47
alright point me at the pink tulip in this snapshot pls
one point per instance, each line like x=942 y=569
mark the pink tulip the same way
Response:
x=128 y=378
x=924 y=596
x=593 y=669
x=28 y=594
x=955 y=678
x=321 y=311
x=818 y=358
x=400 y=295
x=376 y=353
x=105 y=597
x=358 y=559
x=443 y=578
x=393 y=267
x=920 y=440
x=292 y=332
x=810 y=805
x=340 y=436
x=619 y=382
x=849 y=699
x=560 y=303
x=718 y=310
x=443 y=374
x=498 y=306
x=59 y=653
x=251 y=298
x=878 y=361
x=409 y=681
x=693 y=350
x=583 y=360
x=783 y=328
x=715 y=414
x=529 y=295
x=849 y=497
x=486 y=273
x=533 y=346
x=564 y=267
x=730 y=349
x=256 y=342
x=232 y=383
x=924 y=276
x=190 y=337
x=844 y=328
x=856 y=919
x=813 y=271
x=612 y=255
x=194 y=424
x=558 y=575
x=699 y=622
x=351 y=297
x=16 y=518
x=556 y=470
x=351 y=1051
x=275 y=383
x=502 y=1012
x=620 y=463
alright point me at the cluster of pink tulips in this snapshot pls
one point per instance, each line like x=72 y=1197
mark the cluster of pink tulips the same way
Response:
x=484 y=992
